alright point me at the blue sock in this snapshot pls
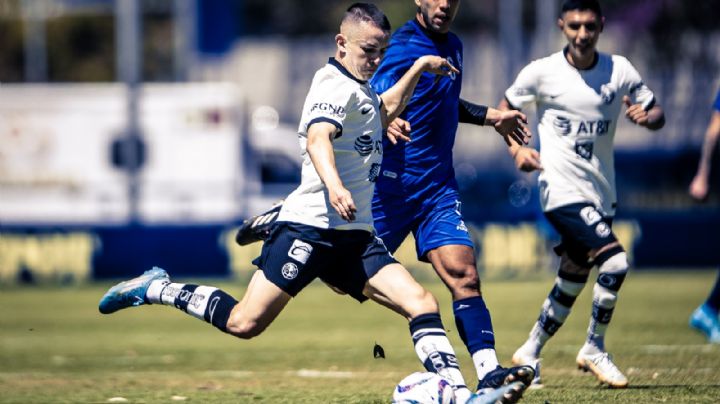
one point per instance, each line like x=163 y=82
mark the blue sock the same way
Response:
x=713 y=300
x=474 y=325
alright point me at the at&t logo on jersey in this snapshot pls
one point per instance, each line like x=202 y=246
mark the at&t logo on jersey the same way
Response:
x=598 y=127
x=562 y=125
x=365 y=145
x=328 y=108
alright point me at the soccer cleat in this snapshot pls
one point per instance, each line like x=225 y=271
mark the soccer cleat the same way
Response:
x=130 y=293
x=521 y=357
x=705 y=320
x=502 y=376
x=507 y=394
x=257 y=228
x=601 y=365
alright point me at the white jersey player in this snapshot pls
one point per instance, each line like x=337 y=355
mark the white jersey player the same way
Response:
x=579 y=93
x=353 y=108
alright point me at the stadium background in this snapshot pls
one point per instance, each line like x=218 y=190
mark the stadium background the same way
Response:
x=140 y=133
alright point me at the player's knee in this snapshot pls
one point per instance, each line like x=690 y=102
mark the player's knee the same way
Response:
x=244 y=328
x=604 y=297
x=420 y=302
x=464 y=279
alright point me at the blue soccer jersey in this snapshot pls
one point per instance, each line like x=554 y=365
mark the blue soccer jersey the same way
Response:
x=416 y=190
x=716 y=105
x=426 y=161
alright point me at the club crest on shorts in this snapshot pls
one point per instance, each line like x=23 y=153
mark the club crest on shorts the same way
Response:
x=589 y=215
x=300 y=251
x=602 y=230
x=289 y=271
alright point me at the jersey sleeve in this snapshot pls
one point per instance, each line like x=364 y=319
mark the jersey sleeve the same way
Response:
x=716 y=105
x=391 y=69
x=638 y=92
x=524 y=90
x=329 y=101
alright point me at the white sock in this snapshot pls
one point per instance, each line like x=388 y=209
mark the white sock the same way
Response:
x=485 y=361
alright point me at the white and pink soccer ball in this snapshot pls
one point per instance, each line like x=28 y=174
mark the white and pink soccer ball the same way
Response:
x=424 y=388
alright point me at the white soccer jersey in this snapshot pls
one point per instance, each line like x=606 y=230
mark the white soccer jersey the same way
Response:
x=578 y=112
x=351 y=105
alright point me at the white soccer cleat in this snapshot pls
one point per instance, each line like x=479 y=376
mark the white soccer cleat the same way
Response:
x=602 y=366
x=522 y=357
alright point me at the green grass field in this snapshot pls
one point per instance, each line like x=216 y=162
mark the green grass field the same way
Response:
x=55 y=347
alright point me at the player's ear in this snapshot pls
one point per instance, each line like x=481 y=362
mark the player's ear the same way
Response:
x=602 y=24
x=341 y=42
x=417 y=3
x=560 y=23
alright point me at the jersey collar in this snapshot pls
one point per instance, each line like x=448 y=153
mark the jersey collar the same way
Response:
x=592 y=65
x=435 y=36
x=334 y=62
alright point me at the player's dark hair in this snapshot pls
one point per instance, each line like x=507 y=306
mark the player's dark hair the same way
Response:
x=572 y=5
x=369 y=13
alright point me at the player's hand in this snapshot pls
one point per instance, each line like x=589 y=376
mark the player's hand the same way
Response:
x=341 y=200
x=399 y=129
x=527 y=159
x=513 y=125
x=437 y=65
x=635 y=112
x=699 y=188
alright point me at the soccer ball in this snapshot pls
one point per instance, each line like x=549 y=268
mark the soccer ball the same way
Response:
x=424 y=388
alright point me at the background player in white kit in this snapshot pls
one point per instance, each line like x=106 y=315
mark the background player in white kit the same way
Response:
x=579 y=93
x=325 y=227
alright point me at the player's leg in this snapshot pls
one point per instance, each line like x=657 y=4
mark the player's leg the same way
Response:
x=705 y=317
x=262 y=302
x=570 y=281
x=593 y=357
x=267 y=294
x=393 y=287
x=443 y=239
x=584 y=227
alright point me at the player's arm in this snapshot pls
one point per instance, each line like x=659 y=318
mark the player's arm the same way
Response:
x=526 y=158
x=322 y=155
x=396 y=97
x=699 y=186
x=652 y=118
x=511 y=123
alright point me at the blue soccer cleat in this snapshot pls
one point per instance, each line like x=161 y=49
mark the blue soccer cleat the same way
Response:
x=706 y=321
x=502 y=376
x=130 y=293
x=507 y=394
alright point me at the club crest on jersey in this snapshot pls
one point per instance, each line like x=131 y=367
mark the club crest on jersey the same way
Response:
x=300 y=251
x=329 y=109
x=289 y=271
x=607 y=93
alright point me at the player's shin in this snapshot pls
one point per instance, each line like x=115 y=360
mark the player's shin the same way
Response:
x=436 y=353
x=474 y=325
x=207 y=303
x=555 y=310
x=612 y=269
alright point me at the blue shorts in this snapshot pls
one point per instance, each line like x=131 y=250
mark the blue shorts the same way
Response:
x=295 y=254
x=434 y=222
x=582 y=228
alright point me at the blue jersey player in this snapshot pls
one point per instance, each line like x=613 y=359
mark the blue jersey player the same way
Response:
x=705 y=317
x=416 y=190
